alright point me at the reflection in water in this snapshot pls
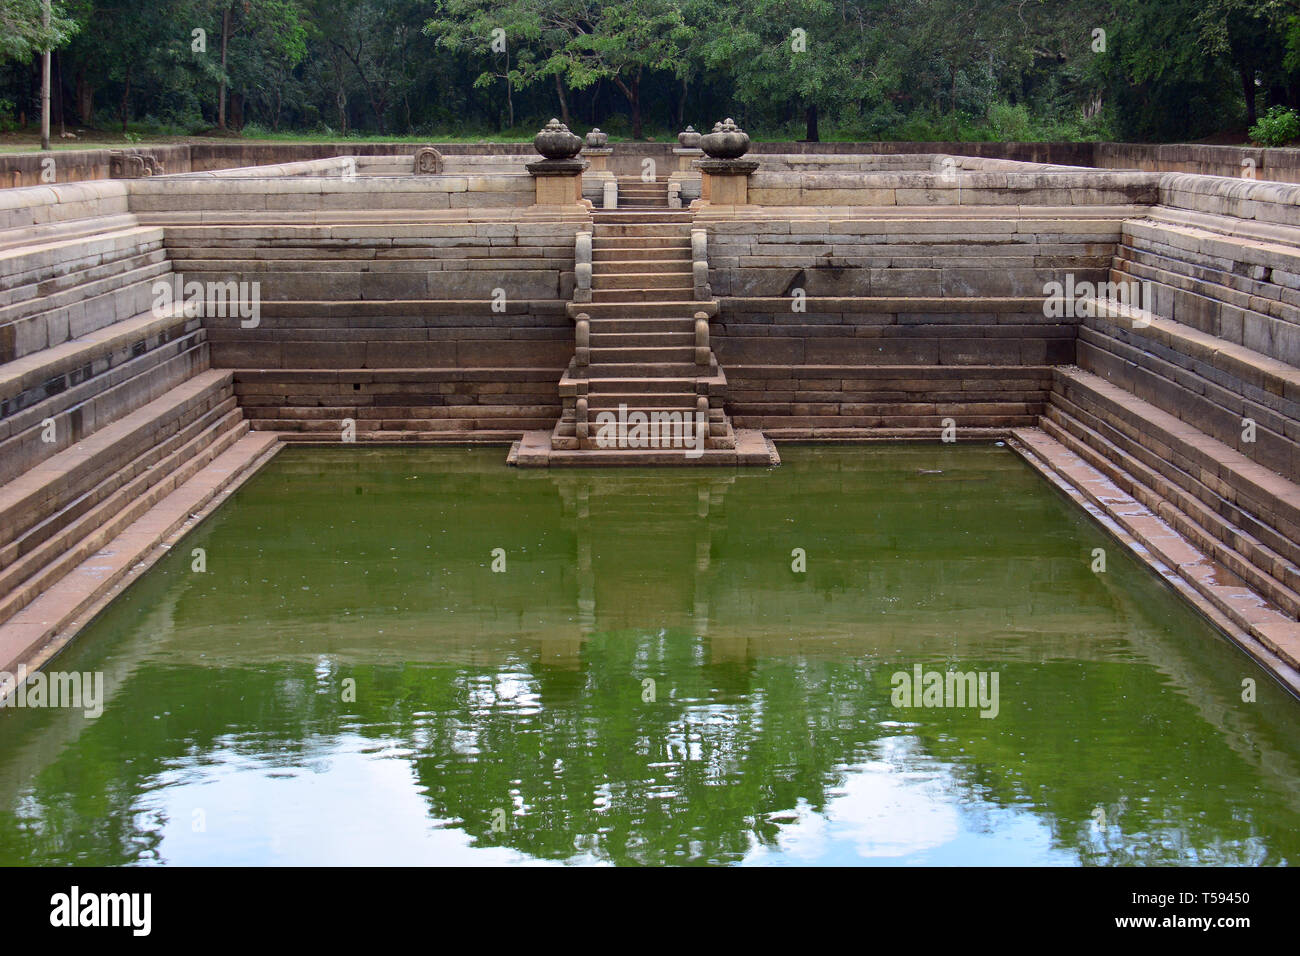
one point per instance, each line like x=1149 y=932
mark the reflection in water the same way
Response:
x=649 y=681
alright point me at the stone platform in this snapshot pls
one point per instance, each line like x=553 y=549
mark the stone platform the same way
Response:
x=534 y=450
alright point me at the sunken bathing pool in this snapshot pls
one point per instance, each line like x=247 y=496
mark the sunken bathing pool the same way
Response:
x=647 y=678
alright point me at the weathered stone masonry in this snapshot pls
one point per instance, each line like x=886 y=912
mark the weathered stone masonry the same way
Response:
x=919 y=283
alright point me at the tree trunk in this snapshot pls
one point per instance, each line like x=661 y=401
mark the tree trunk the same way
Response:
x=126 y=93
x=1248 y=91
x=58 y=99
x=564 y=101
x=225 y=39
x=810 y=120
x=632 y=90
x=681 y=106
x=85 y=98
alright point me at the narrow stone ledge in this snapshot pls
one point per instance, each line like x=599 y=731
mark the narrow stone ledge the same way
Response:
x=1267 y=635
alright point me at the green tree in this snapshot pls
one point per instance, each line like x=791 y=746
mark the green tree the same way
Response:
x=579 y=41
x=24 y=33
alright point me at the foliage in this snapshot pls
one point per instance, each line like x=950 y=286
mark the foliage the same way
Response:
x=862 y=69
x=23 y=32
x=1277 y=127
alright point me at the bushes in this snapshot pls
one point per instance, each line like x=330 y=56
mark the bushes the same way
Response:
x=1277 y=127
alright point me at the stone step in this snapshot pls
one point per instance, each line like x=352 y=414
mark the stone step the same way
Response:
x=534 y=450
x=1205 y=381
x=643 y=401
x=606 y=269
x=46 y=489
x=669 y=422
x=1163 y=467
x=669 y=438
x=626 y=279
x=58 y=612
x=602 y=218
x=52 y=549
x=872 y=431
x=422 y=433
x=79 y=410
x=612 y=385
x=683 y=308
x=1207 y=355
x=600 y=339
x=653 y=326
x=69 y=230
x=611 y=243
x=639 y=295
x=44 y=264
x=649 y=230
x=478 y=427
x=39 y=368
x=1231 y=546
x=929 y=427
x=61 y=291
x=1267 y=496
x=1219 y=593
x=665 y=355
x=635 y=254
x=32 y=325
x=334 y=414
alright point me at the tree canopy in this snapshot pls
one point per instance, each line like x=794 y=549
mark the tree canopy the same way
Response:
x=845 y=69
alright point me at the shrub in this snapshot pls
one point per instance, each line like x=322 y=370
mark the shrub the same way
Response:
x=1277 y=127
x=1010 y=124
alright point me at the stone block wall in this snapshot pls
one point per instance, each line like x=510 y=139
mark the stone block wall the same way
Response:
x=857 y=322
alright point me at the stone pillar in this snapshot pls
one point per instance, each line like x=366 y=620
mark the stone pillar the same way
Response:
x=685 y=158
x=725 y=175
x=557 y=182
x=726 y=181
x=598 y=157
x=557 y=179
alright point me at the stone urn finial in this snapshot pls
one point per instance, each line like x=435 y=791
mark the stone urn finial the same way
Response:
x=689 y=138
x=727 y=141
x=554 y=141
x=596 y=139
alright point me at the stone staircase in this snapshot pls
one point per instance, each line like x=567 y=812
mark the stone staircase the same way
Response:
x=644 y=386
x=115 y=432
x=635 y=193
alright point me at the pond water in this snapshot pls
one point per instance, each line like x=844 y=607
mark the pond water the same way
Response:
x=665 y=666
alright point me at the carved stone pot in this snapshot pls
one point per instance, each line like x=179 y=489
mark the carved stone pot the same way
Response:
x=554 y=141
x=689 y=138
x=727 y=141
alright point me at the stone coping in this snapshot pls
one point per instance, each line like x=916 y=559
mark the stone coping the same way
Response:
x=312 y=186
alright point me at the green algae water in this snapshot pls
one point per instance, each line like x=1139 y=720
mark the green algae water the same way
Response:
x=422 y=656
